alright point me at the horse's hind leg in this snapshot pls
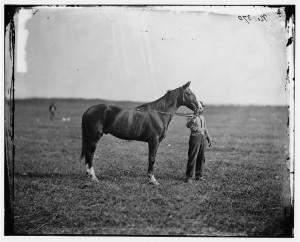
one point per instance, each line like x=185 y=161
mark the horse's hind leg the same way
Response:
x=89 y=156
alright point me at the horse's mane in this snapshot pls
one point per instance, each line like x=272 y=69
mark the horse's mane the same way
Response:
x=161 y=103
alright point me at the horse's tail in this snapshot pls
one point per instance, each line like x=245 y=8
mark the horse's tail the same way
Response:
x=84 y=139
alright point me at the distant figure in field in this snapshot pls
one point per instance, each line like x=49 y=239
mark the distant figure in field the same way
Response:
x=52 y=110
x=197 y=145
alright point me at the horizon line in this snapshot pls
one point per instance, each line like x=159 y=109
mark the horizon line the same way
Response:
x=130 y=101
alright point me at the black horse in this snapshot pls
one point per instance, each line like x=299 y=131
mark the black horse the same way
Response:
x=148 y=123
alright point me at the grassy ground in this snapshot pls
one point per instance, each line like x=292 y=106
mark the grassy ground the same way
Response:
x=245 y=193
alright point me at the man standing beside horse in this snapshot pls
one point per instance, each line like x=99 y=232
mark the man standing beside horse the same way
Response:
x=197 y=145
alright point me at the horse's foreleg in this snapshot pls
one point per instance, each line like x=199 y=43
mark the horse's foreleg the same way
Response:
x=153 y=146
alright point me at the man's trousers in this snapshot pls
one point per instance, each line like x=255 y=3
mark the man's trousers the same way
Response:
x=196 y=155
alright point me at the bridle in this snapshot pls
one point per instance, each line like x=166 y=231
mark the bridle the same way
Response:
x=184 y=97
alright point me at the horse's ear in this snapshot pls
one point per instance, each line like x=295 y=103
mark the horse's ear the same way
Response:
x=185 y=86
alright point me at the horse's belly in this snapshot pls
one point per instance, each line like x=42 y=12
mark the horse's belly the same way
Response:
x=125 y=133
x=120 y=134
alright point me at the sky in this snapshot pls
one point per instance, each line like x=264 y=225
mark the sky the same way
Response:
x=138 y=53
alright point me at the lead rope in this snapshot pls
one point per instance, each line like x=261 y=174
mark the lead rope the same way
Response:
x=176 y=114
x=185 y=114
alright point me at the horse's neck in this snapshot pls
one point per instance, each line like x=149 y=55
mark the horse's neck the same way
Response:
x=167 y=108
x=171 y=109
x=161 y=105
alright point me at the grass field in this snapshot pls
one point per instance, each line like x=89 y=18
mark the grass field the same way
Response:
x=246 y=190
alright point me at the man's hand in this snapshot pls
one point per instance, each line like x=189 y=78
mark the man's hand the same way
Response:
x=209 y=142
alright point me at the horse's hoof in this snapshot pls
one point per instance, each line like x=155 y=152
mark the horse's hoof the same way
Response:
x=83 y=186
x=95 y=179
x=153 y=180
x=154 y=183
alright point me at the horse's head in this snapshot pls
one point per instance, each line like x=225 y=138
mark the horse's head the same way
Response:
x=189 y=99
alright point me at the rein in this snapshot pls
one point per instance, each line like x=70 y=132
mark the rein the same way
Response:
x=176 y=114
x=185 y=114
